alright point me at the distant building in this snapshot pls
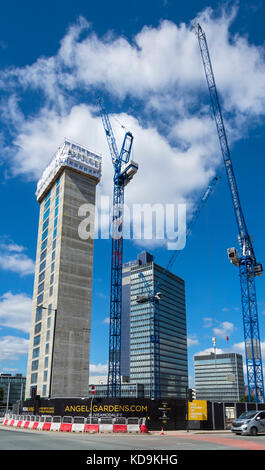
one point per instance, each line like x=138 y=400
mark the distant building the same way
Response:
x=13 y=386
x=127 y=390
x=98 y=380
x=59 y=351
x=219 y=377
x=136 y=346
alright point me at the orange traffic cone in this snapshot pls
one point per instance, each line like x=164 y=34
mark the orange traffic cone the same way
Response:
x=162 y=432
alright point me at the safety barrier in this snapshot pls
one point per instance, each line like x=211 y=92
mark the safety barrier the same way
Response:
x=75 y=423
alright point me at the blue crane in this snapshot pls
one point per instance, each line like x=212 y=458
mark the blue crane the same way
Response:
x=245 y=259
x=124 y=170
x=152 y=296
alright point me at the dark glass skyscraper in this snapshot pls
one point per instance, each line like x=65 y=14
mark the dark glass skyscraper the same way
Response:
x=136 y=347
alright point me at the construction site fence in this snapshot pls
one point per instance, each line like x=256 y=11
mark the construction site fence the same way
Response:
x=76 y=419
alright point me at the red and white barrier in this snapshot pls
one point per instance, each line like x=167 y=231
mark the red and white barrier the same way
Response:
x=56 y=423
x=67 y=423
x=75 y=424
x=78 y=424
x=91 y=428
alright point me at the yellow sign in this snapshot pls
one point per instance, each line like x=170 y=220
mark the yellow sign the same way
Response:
x=198 y=410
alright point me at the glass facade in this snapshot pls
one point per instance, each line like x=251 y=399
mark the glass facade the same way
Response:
x=50 y=209
x=219 y=377
x=13 y=386
x=172 y=328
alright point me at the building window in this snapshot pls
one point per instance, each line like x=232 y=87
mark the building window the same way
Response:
x=34 y=365
x=42 y=276
x=51 y=279
x=45 y=376
x=41 y=288
x=49 y=322
x=43 y=255
x=36 y=341
x=52 y=267
x=47 y=204
x=40 y=299
x=49 y=309
x=36 y=352
x=44 y=244
x=38 y=314
x=34 y=378
x=48 y=335
x=37 y=328
x=46 y=214
x=47 y=348
x=44 y=390
x=45 y=224
x=46 y=361
x=51 y=291
x=53 y=255
x=42 y=266
x=54 y=244
x=44 y=235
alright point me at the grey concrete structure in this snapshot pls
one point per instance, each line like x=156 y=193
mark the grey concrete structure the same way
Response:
x=58 y=360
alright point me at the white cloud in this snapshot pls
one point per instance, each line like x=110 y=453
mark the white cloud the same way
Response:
x=225 y=329
x=15 y=311
x=192 y=341
x=12 y=259
x=98 y=369
x=13 y=347
x=208 y=322
x=18 y=263
x=160 y=70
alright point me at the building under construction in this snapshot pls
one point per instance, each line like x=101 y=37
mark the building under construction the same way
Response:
x=58 y=359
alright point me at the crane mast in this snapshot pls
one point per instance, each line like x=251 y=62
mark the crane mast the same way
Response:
x=245 y=260
x=124 y=170
x=153 y=296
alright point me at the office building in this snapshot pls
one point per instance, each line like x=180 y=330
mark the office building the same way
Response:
x=219 y=377
x=58 y=359
x=136 y=328
x=13 y=387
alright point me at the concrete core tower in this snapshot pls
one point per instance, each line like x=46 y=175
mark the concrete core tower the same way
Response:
x=58 y=359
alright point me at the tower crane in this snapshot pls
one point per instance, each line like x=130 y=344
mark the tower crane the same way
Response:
x=153 y=296
x=245 y=259
x=124 y=171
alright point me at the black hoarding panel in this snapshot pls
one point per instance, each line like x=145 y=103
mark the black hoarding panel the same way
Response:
x=169 y=414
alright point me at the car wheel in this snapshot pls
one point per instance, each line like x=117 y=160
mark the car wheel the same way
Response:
x=253 y=431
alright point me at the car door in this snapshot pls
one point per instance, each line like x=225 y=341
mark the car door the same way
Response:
x=260 y=418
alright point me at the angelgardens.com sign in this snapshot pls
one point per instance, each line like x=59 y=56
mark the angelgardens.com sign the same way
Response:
x=166 y=412
x=116 y=409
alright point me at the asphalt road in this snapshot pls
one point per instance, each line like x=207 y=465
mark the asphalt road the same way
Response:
x=16 y=439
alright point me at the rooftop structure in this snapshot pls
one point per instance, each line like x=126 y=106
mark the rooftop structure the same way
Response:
x=70 y=155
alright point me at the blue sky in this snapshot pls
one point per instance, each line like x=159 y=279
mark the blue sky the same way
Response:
x=145 y=62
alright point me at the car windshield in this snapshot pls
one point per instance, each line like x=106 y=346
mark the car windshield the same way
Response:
x=248 y=415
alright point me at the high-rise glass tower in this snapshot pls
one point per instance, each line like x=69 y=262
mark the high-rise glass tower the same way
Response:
x=136 y=347
x=58 y=359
